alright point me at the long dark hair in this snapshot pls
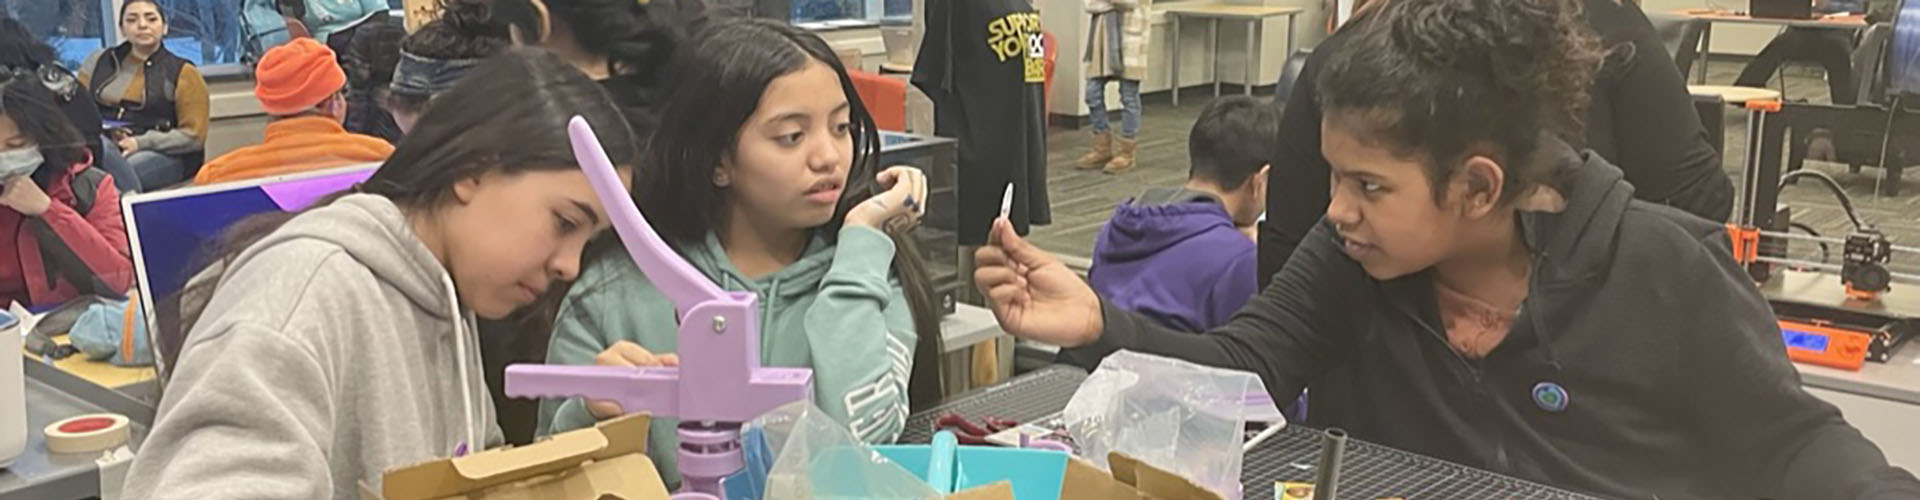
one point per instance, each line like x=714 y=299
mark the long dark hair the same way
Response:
x=480 y=130
x=35 y=110
x=19 y=48
x=637 y=37
x=717 y=83
x=1440 y=80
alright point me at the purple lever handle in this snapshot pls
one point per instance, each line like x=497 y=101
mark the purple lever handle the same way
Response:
x=682 y=284
x=652 y=389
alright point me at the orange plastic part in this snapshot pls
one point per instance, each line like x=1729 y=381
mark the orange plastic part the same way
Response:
x=1746 y=242
x=1768 y=105
x=1845 y=349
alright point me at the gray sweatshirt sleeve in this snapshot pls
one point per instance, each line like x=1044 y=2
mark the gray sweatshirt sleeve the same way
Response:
x=173 y=142
x=252 y=425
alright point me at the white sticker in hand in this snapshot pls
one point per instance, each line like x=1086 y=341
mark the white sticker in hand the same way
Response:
x=1006 y=202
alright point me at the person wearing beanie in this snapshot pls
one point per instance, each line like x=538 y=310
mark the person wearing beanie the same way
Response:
x=301 y=85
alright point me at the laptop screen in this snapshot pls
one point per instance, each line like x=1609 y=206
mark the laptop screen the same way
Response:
x=170 y=230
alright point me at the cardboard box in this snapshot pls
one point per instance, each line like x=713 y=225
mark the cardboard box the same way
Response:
x=1131 y=480
x=608 y=461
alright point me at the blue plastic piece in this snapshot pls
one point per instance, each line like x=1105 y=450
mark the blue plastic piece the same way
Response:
x=1034 y=473
x=751 y=482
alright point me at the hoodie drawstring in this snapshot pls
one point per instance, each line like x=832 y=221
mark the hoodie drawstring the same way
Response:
x=472 y=443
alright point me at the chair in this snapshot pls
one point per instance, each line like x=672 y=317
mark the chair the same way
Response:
x=1283 y=89
x=1870 y=61
x=885 y=98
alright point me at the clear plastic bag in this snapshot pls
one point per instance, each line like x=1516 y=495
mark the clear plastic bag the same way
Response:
x=1183 y=417
x=818 y=458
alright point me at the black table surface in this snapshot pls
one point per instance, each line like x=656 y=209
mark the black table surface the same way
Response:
x=1371 y=471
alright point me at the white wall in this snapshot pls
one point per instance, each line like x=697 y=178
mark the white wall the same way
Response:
x=1888 y=424
x=236 y=117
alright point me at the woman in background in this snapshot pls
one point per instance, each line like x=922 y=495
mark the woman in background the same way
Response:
x=154 y=101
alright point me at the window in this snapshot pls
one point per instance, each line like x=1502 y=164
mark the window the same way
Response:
x=840 y=13
x=206 y=32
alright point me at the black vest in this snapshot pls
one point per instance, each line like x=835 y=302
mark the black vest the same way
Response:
x=156 y=108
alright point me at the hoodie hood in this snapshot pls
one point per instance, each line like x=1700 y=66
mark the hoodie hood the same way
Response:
x=1577 y=242
x=375 y=233
x=799 y=279
x=1141 y=229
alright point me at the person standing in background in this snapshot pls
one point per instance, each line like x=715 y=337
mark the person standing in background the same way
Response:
x=160 y=98
x=1116 y=52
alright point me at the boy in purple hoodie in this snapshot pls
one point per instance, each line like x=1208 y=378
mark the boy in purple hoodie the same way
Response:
x=1184 y=255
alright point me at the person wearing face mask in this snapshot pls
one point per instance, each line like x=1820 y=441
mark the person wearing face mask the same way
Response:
x=326 y=347
x=59 y=216
x=768 y=184
x=159 y=99
x=303 y=88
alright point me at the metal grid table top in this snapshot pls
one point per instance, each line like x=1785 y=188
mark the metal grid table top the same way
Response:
x=1372 y=471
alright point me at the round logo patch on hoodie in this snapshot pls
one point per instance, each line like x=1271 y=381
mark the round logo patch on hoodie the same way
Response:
x=1551 y=397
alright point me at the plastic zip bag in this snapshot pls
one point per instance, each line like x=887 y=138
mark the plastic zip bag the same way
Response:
x=1180 y=416
x=818 y=458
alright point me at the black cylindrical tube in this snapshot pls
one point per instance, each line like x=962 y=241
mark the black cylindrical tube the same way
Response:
x=1333 y=450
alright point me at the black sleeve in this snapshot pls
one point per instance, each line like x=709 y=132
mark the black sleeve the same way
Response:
x=1287 y=334
x=1297 y=185
x=1748 y=400
x=1659 y=142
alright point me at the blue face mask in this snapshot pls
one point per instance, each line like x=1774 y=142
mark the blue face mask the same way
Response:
x=18 y=162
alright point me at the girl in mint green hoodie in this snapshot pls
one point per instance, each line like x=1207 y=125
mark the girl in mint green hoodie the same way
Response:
x=762 y=176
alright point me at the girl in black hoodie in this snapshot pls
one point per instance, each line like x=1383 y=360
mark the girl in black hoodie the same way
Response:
x=1485 y=291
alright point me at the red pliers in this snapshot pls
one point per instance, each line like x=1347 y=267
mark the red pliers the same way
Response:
x=969 y=433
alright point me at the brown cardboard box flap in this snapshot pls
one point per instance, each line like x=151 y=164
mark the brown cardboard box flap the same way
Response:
x=626 y=477
x=457 y=476
x=1154 y=482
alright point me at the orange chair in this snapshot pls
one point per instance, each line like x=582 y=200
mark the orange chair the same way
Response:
x=885 y=98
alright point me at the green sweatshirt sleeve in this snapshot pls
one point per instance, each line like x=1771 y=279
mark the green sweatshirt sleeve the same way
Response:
x=575 y=342
x=862 y=337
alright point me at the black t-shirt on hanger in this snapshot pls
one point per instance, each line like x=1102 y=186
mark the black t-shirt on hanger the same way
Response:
x=983 y=64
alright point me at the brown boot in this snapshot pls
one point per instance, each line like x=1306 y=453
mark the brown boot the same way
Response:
x=1098 y=156
x=1122 y=156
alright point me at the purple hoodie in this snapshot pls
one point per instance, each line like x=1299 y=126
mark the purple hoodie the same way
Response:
x=1175 y=256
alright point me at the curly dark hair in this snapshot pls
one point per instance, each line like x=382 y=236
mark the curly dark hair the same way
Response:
x=465 y=29
x=637 y=37
x=1439 y=80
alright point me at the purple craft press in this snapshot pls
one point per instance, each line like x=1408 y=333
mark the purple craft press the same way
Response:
x=719 y=347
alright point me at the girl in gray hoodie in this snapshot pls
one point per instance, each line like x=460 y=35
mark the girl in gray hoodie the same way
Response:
x=326 y=347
